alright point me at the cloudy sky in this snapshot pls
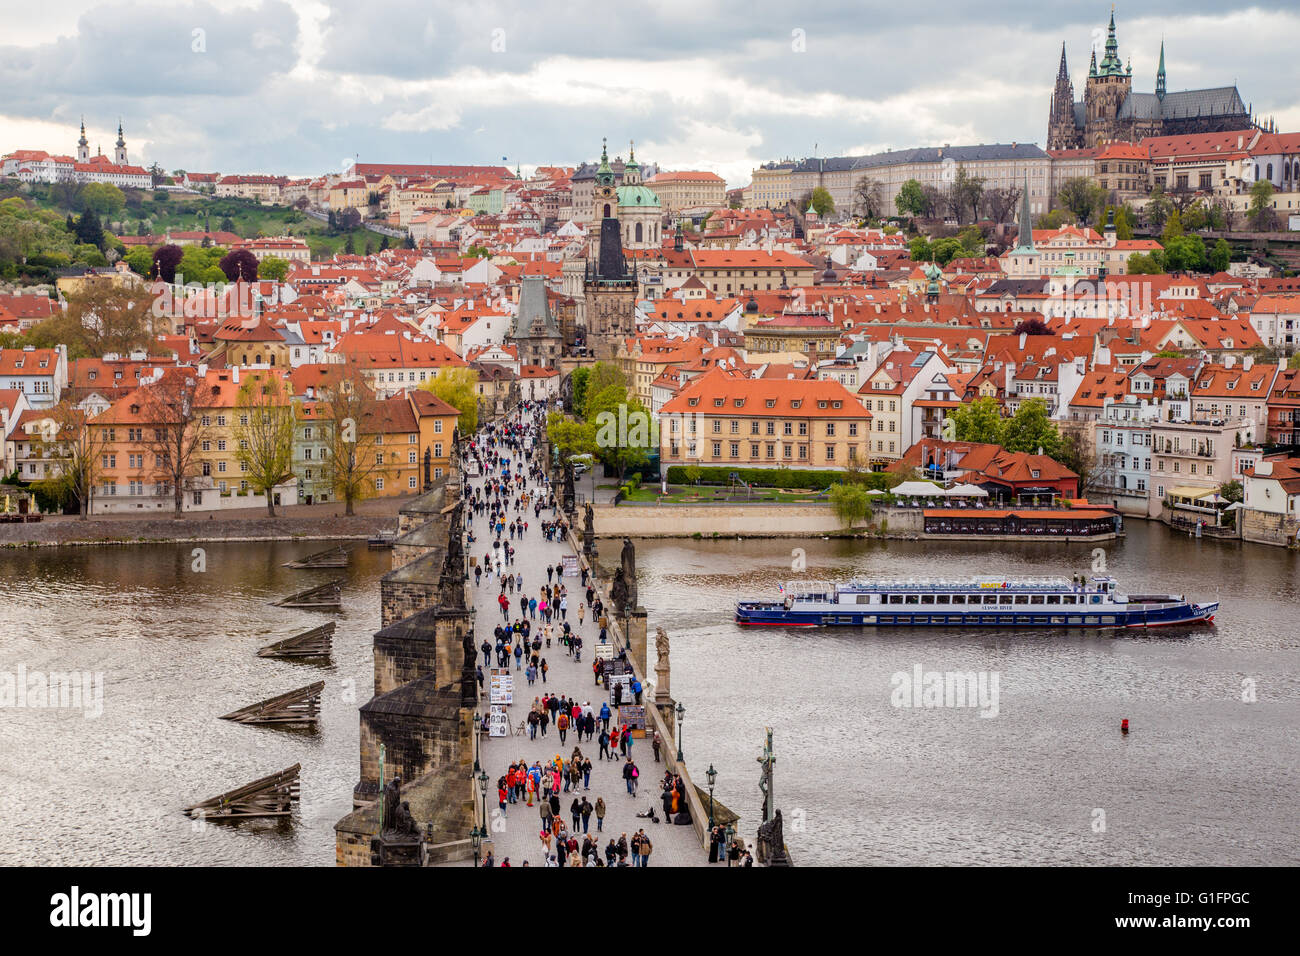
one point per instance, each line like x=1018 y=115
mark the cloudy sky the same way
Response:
x=301 y=86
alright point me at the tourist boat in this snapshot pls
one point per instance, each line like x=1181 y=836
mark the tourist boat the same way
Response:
x=1057 y=602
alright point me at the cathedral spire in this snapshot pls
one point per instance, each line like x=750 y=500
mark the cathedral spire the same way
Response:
x=1111 y=65
x=1062 y=72
x=120 y=141
x=1160 y=73
x=1092 y=65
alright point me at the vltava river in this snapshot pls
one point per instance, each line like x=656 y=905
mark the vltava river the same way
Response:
x=1203 y=778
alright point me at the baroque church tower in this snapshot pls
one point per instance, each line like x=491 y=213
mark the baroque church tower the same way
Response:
x=119 y=153
x=83 y=144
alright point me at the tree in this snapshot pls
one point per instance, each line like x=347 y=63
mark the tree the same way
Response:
x=1185 y=254
x=90 y=231
x=1142 y=264
x=964 y=195
x=1158 y=207
x=570 y=436
x=227 y=224
x=1082 y=197
x=273 y=268
x=1173 y=228
x=1033 y=326
x=350 y=460
x=265 y=418
x=1052 y=219
x=457 y=385
x=578 y=379
x=140 y=259
x=603 y=375
x=102 y=317
x=68 y=439
x=1233 y=491
x=624 y=430
x=980 y=421
x=1030 y=429
x=868 y=198
x=851 y=503
x=1260 y=213
x=1000 y=203
x=166 y=259
x=104 y=199
x=175 y=428
x=240 y=266
x=919 y=250
x=822 y=202
x=911 y=200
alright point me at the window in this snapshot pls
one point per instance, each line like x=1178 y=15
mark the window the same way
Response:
x=379 y=484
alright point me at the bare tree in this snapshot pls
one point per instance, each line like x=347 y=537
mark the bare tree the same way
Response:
x=999 y=204
x=351 y=452
x=868 y=198
x=175 y=428
x=68 y=440
x=264 y=425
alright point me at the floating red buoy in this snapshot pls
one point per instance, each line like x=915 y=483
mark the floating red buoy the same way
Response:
x=1123 y=726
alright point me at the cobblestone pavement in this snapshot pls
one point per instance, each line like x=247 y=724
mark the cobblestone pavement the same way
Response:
x=515 y=833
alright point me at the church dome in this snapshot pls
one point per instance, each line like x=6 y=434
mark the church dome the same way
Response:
x=637 y=196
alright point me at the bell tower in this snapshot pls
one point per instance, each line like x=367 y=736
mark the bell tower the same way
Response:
x=83 y=144
x=119 y=152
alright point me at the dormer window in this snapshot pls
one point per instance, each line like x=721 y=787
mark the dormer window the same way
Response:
x=719 y=402
x=692 y=402
x=771 y=403
x=795 y=403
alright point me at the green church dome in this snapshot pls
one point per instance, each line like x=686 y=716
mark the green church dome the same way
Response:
x=637 y=196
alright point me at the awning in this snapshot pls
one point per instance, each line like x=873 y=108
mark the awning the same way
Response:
x=967 y=491
x=917 y=489
x=1187 y=491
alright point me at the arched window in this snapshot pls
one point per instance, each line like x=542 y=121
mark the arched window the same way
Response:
x=606 y=210
x=1270 y=170
x=638 y=232
x=1257 y=171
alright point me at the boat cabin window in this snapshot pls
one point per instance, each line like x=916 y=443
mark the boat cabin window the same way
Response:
x=1069 y=599
x=895 y=599
x=1036 y=599
x=990 y=599
x=1022 y=598
x=912 y=599
x=927 y=598
x=1053 y=599
x=959 y=599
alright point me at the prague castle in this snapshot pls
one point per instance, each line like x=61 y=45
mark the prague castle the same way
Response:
x=1111 y=112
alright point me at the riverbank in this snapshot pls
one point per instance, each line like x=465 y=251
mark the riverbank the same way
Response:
x=293 y=522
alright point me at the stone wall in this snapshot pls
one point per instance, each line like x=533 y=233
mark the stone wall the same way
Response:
x=750 y=521
x=1263 y=527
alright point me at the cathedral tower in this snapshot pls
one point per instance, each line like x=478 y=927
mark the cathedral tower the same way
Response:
x=1061 y=130
x=1108 y=88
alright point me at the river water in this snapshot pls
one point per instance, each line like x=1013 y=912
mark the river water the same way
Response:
x=1204 y=777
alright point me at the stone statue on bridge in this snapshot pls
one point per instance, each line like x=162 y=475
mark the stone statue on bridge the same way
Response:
x=629 y=573
x=569 y=494
x=771 y=842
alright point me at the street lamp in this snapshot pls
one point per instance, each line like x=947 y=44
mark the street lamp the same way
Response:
x=476 y=841
x=681 y=715
x=712 y=776
x=482 y=789
x=730 y=835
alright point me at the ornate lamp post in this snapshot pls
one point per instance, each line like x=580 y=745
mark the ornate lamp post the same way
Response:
x=476 y=841
x=681 y=716
x=712 y=776
x=482 y=789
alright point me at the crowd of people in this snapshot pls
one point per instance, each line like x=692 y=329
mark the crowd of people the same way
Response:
x=543 y=615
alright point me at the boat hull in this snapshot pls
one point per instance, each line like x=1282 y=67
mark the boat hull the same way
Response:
x=776 y=614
